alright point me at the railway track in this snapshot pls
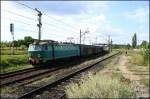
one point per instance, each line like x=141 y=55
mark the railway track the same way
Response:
x=22 y=75
x=63 y=78
x=6 y=75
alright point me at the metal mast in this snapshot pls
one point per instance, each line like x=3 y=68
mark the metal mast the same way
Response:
x=40 y=24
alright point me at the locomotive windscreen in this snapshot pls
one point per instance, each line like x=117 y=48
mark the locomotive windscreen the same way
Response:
x=37 y=47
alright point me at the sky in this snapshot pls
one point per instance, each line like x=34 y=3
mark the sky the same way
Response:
x=62 y=20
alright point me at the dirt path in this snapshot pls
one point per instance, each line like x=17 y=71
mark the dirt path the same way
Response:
x=141 y=90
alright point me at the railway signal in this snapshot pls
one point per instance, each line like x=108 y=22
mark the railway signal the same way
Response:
x=12 y=33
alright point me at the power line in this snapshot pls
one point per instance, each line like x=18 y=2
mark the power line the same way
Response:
x=60 y=21
x=22 y=29
x=25 y=5
x=18 y=14
x=44 y=14
x=60 y=27
x=20 y=22
x=54 y=26
x=47 y=15
x=59 y=31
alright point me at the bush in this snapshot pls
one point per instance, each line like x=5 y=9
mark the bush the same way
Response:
x=96 y=86
x=145 y=55
x=145 y=48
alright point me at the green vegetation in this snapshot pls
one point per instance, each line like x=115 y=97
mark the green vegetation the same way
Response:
x=135 y=58
x=96 y=86
x=17 y=43
x=13 y=62
x=145 y=82
x=19 y=48
x=134 y=41
x=145 y=51
x=140 y=57
x=17 y=51
x=7 y=90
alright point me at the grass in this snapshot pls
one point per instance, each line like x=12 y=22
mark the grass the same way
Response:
x=16 y=52
x=96 y=86
x=139 y=64
x=13 y=62
x=145 y=82
x=137 y=58
x=7 y=90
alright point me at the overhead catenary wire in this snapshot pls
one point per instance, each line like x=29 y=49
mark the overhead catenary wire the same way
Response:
x=45 y=22
x=18 y=14
x=20 y=21
x=24 y=17
x=18 y=28
x=61 y=21
x=48 y=16
x=54 y=26
x=60 y=32
x=25 y=5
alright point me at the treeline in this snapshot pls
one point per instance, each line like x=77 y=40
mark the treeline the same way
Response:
x=144 y=44
x=18 y=43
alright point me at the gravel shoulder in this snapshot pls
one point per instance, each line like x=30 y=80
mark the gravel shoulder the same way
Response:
x=134 y=77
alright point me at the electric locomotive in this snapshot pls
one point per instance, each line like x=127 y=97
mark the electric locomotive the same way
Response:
x=46 y=51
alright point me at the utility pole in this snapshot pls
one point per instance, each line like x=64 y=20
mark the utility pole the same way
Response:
x=80 y=36
x=40 y=24
x=87 y=31
x=111 y=45
x=109 y=42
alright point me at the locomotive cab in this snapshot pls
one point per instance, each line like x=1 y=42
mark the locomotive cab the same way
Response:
x=37 y=53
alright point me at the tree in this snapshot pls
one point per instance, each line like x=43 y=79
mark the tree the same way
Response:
x=28 y=40
x=15 y=43
x=134 y=41
x=20 y=42
x=144 y=43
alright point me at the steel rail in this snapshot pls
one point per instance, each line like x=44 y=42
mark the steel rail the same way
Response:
x=9 y=74
x=28 y=77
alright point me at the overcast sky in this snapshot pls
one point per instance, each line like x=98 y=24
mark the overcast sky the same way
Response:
x=63 y=19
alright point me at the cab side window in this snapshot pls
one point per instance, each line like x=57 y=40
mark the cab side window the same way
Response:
x=46 y=47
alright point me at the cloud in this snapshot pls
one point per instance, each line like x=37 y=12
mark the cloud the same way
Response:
x=139 y=15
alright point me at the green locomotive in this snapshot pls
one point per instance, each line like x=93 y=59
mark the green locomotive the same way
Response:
x=45 y=51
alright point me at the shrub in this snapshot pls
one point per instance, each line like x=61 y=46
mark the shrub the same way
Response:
x=145 y=55
x=96 y=86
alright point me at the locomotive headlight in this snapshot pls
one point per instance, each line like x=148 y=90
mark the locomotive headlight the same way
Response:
x=29 y=54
